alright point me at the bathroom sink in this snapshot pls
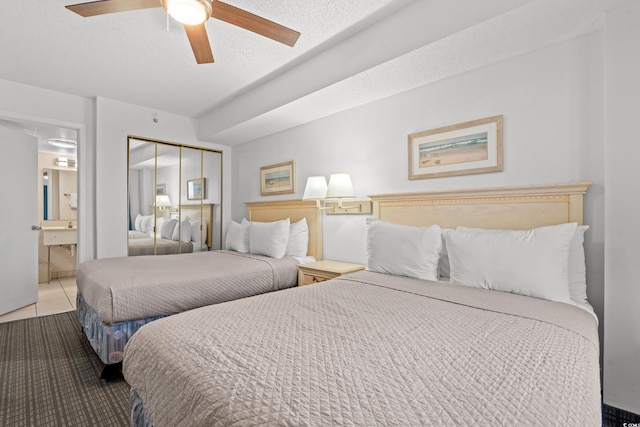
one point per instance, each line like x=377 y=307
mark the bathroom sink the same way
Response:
x=59 y=236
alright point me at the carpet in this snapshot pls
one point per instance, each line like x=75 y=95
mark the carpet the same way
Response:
x=50 y=376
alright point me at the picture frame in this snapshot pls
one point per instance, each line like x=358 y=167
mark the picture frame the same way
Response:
x=197 y=189
x=161 y=189
x=277 y=179
x=466 y=148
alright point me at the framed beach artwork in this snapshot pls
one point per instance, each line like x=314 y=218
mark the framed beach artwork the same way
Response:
x=461 y=149
x=277 y=179
x=196 y=189
x=161 y=189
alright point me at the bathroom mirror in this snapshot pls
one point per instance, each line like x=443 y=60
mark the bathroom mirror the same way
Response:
x=60 y=200
x=174 y=198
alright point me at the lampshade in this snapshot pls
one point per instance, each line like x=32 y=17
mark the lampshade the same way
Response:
x=189 y=12
x=316 y=188
x=340 y=186
x=162 y=201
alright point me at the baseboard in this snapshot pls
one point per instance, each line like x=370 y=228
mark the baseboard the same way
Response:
x=614 y=417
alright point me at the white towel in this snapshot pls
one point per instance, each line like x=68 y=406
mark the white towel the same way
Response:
x=73 y=201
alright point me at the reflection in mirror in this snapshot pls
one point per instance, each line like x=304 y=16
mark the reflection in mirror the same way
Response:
x=164 y=216
x=212 y=172
x=200 y=196
x=60 y=200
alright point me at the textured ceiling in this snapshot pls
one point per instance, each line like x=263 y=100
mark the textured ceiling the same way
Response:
x=131 y=56
x=349 y=53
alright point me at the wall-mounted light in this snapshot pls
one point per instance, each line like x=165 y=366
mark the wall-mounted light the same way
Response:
x=340 y=187
x=316 y=189
x=64 y=162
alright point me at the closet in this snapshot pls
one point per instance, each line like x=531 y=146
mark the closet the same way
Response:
x=175 y=196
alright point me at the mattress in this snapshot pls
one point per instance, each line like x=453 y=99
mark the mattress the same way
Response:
x=370 y=349
x=131 y=288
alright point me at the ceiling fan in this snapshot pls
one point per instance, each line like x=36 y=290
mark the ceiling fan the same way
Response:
x=193 y=14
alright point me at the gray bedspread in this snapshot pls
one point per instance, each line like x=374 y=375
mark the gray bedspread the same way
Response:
x=370 y=349
x=132 y=288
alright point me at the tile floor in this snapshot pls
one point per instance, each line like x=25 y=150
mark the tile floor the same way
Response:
x=53 y=298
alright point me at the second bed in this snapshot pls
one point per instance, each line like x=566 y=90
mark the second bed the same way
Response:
x=117 y=296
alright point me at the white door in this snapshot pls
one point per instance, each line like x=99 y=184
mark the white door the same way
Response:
x=18 y=242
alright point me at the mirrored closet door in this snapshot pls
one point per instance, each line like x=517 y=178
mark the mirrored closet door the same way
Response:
x=175 y=195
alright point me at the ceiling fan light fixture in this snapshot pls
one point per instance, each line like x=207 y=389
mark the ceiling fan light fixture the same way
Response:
x=188 y=12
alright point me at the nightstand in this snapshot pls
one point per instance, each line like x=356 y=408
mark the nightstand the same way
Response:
x=320 y=271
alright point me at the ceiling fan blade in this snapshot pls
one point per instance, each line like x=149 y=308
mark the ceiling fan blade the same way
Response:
x=249 y=21
x=199 y=43
x=111 y=6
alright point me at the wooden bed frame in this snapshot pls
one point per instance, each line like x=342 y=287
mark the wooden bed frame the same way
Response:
x=295 y=210
x=512 y=208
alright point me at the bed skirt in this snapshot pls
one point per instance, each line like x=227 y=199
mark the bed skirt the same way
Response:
x=107 y=341
x=138 y=415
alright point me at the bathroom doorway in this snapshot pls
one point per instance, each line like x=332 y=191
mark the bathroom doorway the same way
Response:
x=35 y=159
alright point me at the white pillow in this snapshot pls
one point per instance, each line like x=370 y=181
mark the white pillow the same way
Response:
x=238 y=237
x=166 y=231
x=196 y=234
x=146 y=224
x=269 y=238
x=298 y=239
x=529 y=262
x=577 y=267
x=159 y=223
x=136 y=224
x=403 y=250
x=183 y=232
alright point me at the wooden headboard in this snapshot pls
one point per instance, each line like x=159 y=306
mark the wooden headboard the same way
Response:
x=193 y=212
x=498 y=208
x=295 y=210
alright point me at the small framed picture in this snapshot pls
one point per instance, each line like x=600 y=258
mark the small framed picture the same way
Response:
x=277 y=179
x=461 y=149
x=161 y=189
x=196 y=189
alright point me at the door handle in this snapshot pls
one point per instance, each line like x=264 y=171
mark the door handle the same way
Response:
x=35 y=227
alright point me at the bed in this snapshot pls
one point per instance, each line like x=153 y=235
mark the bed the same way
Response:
x=197 y=237
x=116 y=296
x=384 y=349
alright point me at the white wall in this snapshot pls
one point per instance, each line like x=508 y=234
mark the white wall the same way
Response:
x=552 y=102
x=115 y=121
x=622 y=204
